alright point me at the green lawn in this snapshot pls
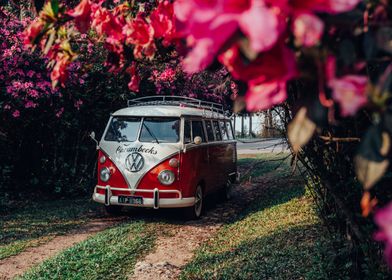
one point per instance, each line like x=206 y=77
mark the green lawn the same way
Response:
x=110 y=254
x=278 y=237
x=38 y=223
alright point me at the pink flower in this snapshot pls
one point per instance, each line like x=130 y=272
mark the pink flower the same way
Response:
x=328 y=6
x=139 y=33
x=78 y=103
x=307 y=29
x=60 y=112
x=350 y=92
x=133 y=84
x=266 y=84
x=210 y=24
x=59 y=72
x=30 y=73
x=16 y=114
x=32 y=32
x=82 y=15
x=383 y=219
x=30 y=104
x=162 y=21
x=105 y=23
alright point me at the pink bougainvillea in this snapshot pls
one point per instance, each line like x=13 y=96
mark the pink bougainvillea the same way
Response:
x=383 y=218
x=209 y=25
x=82 y=15
x=350 y=92
x=24 y=81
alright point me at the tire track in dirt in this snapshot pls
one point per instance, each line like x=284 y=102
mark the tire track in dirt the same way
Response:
x=175 y=250
x=18 y=264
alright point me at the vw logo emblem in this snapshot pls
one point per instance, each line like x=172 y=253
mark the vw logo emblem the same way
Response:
x=134 y=162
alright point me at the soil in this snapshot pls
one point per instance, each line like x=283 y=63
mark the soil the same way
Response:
x=17 y=265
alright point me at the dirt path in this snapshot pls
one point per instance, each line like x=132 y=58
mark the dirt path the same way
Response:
x=175 y=250
x=17 y=265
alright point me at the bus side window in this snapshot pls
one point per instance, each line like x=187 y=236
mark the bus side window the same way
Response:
x=218 y=134
x=187 y=131
x=197 y=130
x=210 y=131
x=229 y=130
x=223 y=130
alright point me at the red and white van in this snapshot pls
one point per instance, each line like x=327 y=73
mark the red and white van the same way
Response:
x=165 y=152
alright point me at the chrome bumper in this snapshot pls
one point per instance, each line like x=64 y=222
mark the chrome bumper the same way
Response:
x=155 y=202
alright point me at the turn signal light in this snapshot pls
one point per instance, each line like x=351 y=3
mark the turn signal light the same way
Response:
x=173 y=162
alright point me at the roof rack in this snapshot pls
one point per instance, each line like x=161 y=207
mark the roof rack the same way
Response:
x=177 y=101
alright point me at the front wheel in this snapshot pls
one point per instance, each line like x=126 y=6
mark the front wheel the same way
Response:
x=195 y=211
x=113 y=210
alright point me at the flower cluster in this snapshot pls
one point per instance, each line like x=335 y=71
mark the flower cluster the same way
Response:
x=249 y=36
x=122 y=33
x=24 y=79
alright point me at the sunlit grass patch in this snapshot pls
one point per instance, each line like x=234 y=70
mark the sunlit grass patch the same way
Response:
x=39 y=222
x=110 y=254
x=261 y=164
x=279 y=237
x=16 y=247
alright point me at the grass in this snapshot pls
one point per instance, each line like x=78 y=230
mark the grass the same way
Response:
x=39 y=222
x=110 y=254
x=261 y=164
x=278 y=237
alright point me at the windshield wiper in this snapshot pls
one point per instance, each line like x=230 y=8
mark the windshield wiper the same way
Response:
x=150 y=132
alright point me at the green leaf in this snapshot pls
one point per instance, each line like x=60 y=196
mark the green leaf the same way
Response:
x=55 y=6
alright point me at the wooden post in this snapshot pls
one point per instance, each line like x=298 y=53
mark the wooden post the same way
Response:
x=242 y=126
x=234 y=124
x=250 y=124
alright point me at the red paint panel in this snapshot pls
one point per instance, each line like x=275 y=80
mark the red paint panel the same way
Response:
x=116 y=179
x=193 y=169
x=150 y=180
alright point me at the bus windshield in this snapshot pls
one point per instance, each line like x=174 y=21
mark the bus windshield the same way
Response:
x=123 y=129
x=160 y=130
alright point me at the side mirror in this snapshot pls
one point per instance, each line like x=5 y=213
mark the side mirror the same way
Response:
x=92 y=136
x=197 y=140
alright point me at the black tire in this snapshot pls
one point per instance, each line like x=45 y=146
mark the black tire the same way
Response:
x=113 y=210
x=228 y=190
x=195 y=212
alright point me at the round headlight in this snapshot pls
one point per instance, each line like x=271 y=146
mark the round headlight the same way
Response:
x=104 y=174
x=166 y=177
x=102 y=159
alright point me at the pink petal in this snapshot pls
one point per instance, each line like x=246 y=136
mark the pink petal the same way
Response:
x=308 y=29
x=350 y=92
x=260 y=24
x=264 y=96
x=200 y=56
x=209 y=41
x=340 y=6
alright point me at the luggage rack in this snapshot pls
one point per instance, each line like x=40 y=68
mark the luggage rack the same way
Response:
x=177 y=101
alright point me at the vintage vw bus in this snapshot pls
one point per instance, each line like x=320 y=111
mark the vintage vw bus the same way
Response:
x=165 y=152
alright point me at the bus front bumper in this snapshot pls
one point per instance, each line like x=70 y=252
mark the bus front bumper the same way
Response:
x=155 y=202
